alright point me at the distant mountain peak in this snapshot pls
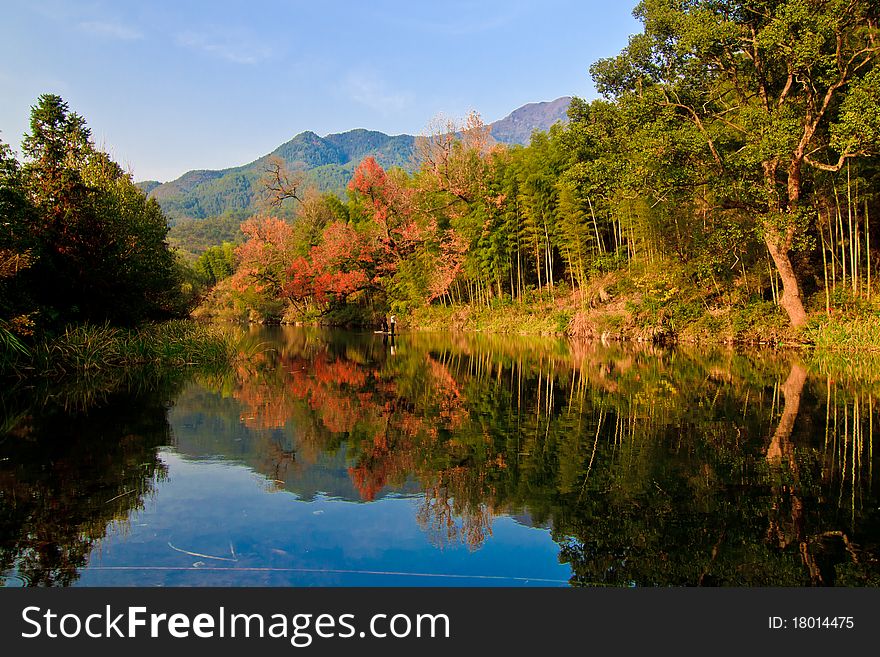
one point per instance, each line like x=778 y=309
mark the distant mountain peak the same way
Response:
x=518 y=126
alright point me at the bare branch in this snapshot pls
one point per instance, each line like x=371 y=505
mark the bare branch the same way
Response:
x=833 y=168
x=280 y=183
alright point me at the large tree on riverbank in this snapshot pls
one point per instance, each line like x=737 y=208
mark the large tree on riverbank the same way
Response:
x=98 y=245
x=775 y=89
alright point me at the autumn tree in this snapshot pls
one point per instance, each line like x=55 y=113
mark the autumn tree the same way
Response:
x=401 y=232
x=313 y=215
x=453 y=156
x=340 y=265
x=262 y=261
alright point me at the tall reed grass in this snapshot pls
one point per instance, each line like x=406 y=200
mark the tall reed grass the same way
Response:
x=846 y=334
x=91 y=348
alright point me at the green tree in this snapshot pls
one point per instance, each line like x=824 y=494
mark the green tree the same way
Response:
x=16 y=212
x=99 y=244
x=766 y=84
x=216 y=263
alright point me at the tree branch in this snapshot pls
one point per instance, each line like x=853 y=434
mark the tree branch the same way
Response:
x=281 y=183
x=699 y=123
x=833 y=168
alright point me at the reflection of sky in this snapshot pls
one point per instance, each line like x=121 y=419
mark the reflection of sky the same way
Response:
x=216 y=523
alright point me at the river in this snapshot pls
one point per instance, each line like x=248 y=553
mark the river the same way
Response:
x=436 y=459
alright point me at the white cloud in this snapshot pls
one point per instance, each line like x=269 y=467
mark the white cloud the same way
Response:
x=110 y=30
x=232 y=46
x=366 y=88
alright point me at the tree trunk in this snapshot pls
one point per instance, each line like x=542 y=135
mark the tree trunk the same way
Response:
x=781 y=445
x=791 y=294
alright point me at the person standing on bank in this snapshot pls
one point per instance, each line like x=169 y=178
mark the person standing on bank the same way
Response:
x=393 y=323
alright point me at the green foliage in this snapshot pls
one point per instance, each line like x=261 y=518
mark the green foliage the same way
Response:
x=844 y=333
x=197 y=236
x=96 y=244
x=750 y=105
x=216 y=263
x=858 y=126
x=758 y=319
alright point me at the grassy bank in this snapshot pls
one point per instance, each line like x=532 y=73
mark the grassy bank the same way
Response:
x=89 y=348
x=654 y=309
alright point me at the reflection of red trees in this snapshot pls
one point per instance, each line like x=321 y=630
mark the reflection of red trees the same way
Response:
x=389 y=457
x=265 y=406
x=450 y=401
x=318 y=381
x=393 y=424
x=378 y=467
x=340 y=372
x=448 y=517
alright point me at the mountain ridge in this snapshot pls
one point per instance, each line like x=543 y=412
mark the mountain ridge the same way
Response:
x=327 y=161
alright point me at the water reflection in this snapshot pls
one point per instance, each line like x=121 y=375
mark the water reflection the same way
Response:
x=645 y=466
x=75 y=460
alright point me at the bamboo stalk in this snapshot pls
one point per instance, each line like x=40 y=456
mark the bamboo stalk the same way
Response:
x=825 y=273
x=595 y=225
x=849 y=218
x=857 y=246
x=868 y=248
x=842 y=238
x=833 y=256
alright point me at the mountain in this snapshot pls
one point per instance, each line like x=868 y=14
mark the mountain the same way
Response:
x=518 y=126
x=147 y=186
x=328 y=162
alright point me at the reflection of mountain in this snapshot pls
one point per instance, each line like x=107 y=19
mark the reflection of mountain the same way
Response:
x=72 y=464
x=526 y=520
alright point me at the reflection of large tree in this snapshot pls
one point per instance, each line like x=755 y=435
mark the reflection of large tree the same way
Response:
x=821 y=548
x=71 y=464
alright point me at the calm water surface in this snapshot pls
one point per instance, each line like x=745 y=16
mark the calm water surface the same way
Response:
x=444 y=460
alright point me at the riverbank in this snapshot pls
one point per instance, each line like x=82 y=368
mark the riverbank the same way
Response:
x=665 y=315
x=88 y=348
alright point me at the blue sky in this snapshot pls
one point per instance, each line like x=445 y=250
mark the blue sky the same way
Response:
x=172 y=86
